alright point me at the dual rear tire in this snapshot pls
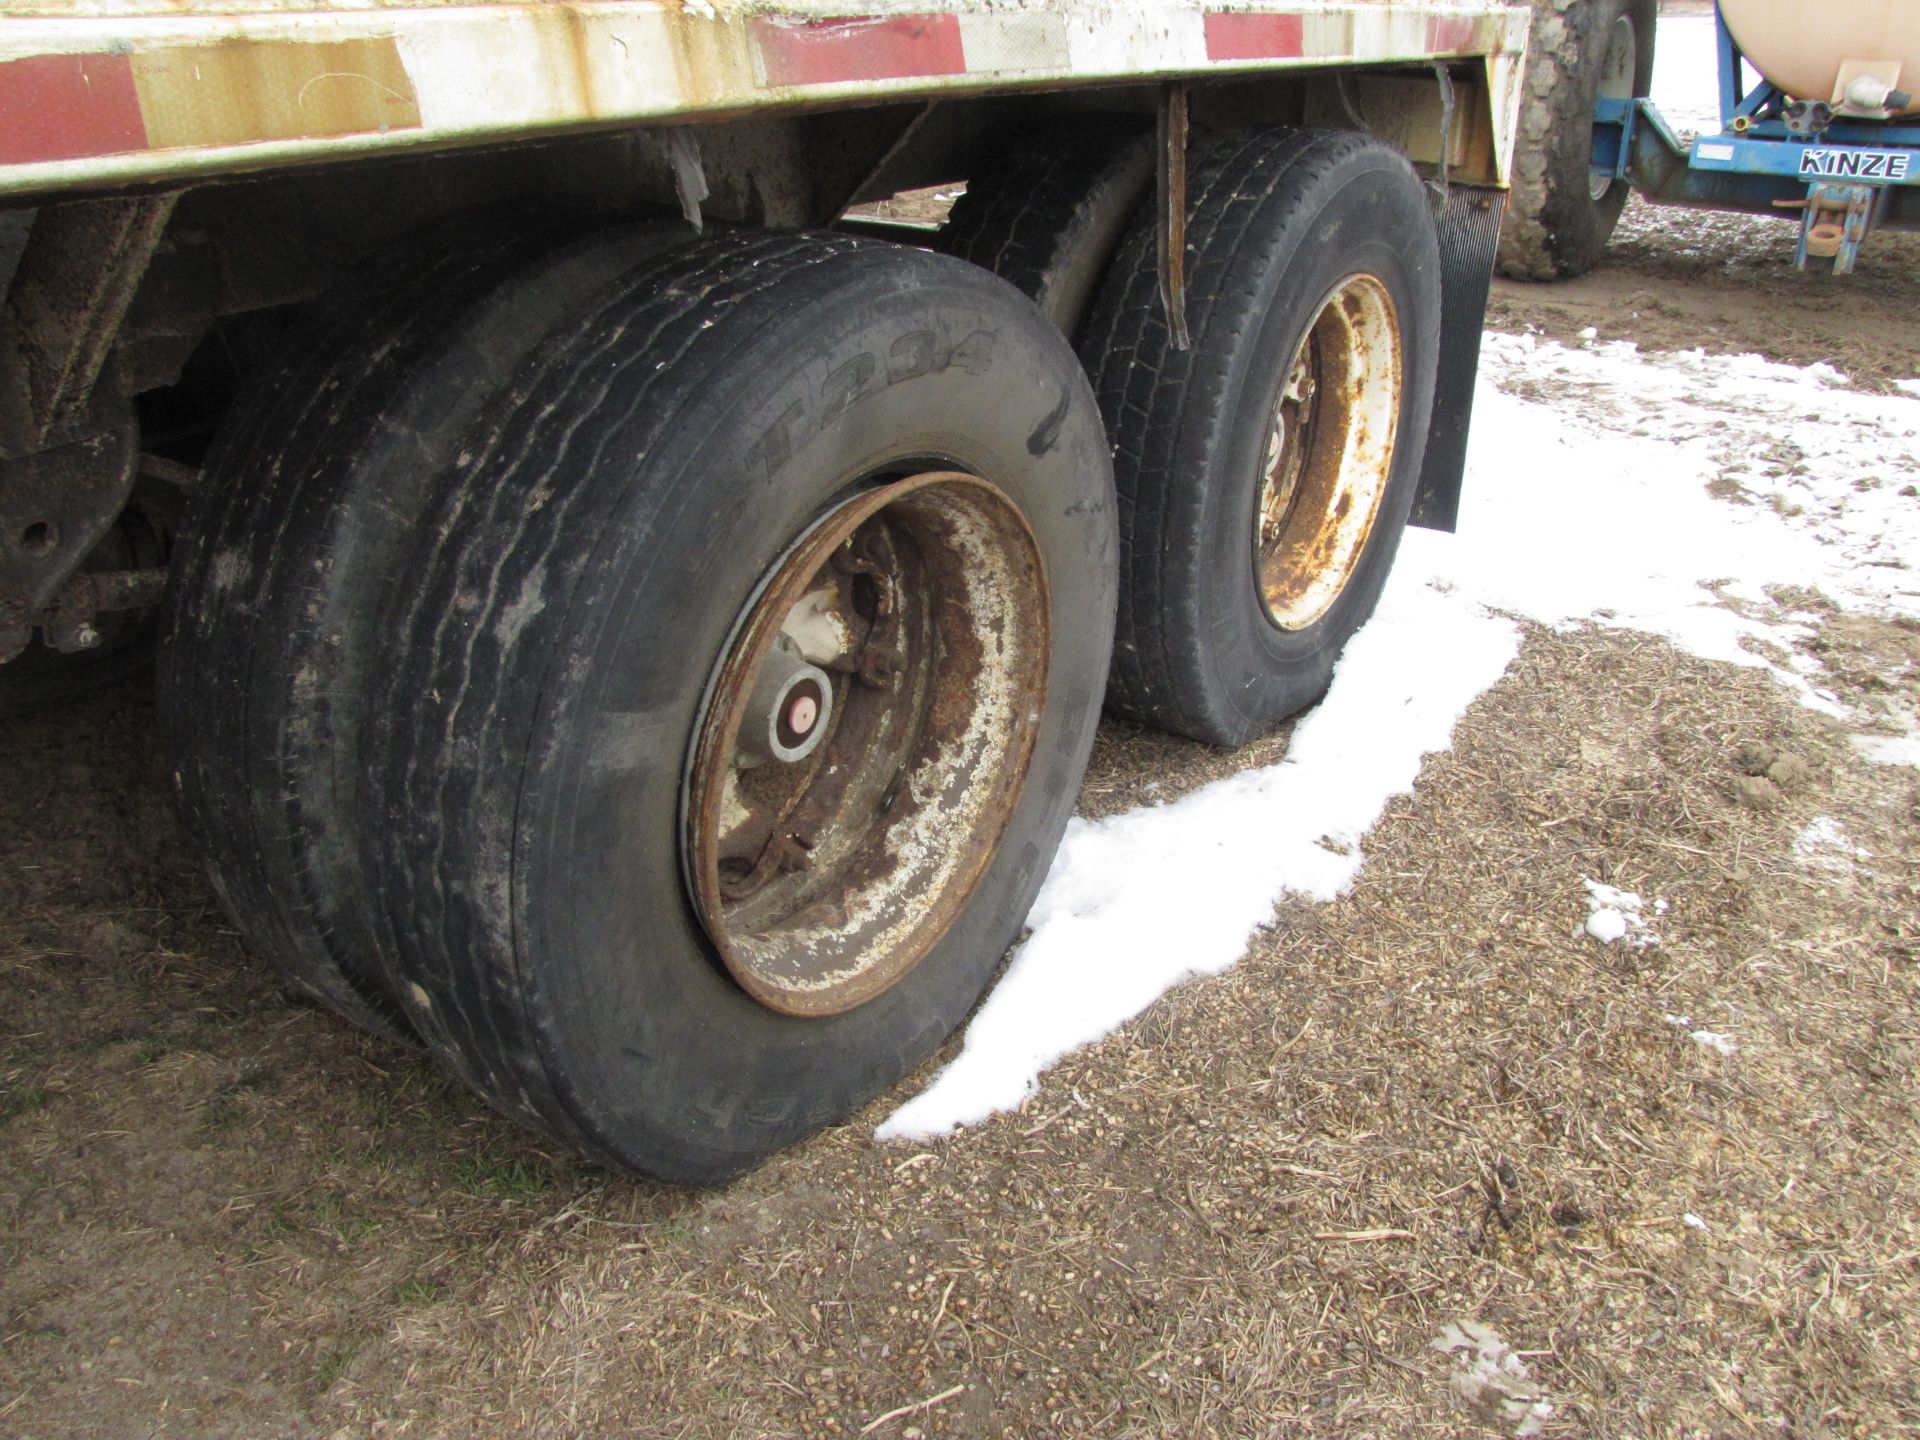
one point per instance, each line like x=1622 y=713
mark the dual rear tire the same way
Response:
x=279 y=623
x=655 y=674
x=1265 y=474
x=446 y=655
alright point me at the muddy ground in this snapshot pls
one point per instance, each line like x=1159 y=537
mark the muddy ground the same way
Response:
x=1250 y=1212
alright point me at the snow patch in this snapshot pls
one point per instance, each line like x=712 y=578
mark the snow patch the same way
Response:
x=1138 y=902
x=1676 y=492
x=1491 y=1383
x=1673 y=495
x=1825 y=845
x=1614 y=915
x=1708 y=1039
x=1889 y=749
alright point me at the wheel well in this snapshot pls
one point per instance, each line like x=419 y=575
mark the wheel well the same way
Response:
x=251 y=244
x=133 y=306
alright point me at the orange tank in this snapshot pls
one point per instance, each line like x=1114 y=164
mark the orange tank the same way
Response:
x=1821 y=51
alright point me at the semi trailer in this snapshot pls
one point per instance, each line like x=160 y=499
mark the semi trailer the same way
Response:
x=625 y=625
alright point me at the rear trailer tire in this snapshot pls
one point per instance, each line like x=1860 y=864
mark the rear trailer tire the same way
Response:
x=638 y=574
x=1050 y=213
x=279 y=617
x=1558 y=218
x=1265 y=474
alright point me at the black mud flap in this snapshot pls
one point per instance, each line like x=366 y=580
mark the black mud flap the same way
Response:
x=1469 y=226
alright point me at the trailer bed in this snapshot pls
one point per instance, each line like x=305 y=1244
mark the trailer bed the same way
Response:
x=102 y=95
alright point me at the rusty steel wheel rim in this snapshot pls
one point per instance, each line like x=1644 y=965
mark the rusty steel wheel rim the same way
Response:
x=865 y=739
x=1329 y=453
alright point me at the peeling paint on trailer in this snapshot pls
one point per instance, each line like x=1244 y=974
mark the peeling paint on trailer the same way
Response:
x=229 y=92
x=185 y=89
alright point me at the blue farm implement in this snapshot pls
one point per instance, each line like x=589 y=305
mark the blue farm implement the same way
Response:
x=1845 y=174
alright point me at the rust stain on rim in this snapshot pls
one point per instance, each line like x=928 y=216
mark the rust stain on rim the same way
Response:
x=824 y=880
x=1330 y=446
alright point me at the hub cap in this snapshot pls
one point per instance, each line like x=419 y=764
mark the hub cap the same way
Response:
x=865 y=740
x=1329 y=453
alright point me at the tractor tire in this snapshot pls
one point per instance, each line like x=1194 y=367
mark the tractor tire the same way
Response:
x=1558 y=217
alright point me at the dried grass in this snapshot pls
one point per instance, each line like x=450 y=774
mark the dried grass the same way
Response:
x=1250 y=1212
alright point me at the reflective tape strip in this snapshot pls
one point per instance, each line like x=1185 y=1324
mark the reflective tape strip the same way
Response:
x=241 y=92
x=68 y=107
x=833 y=52
x=1447 y=34
x=1006 y=44
x=1240 y=35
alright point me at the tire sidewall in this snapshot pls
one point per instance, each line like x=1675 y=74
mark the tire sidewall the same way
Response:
x=652 y=1045
x=1277 y=670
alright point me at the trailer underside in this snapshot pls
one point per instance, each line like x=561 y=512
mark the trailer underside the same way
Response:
x=403 y=350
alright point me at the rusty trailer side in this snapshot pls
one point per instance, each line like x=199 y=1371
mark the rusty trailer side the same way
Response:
x=96 y=97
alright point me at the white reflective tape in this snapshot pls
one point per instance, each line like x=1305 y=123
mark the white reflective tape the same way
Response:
x=1150 y=41
x=1006 y=42
x=1327 y=34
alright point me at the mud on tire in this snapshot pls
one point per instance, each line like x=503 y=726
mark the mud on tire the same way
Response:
x=1556 y=226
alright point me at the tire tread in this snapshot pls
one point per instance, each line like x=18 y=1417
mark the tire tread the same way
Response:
x=1155 y=396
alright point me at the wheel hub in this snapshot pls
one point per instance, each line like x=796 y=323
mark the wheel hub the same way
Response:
x=1329 y=453
x=1617 y=65
x=788 y=712
x=865 y=739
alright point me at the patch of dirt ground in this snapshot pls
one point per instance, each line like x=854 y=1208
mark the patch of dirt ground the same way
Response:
x=1434 y=1103
x=1677 y=279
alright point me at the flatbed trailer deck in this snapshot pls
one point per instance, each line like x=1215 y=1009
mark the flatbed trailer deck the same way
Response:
x=120 y=94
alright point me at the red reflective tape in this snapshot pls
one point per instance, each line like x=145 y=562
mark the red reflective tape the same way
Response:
x=828 y=52
x=1236 y=35
x=1449 y=33
x=68 y=107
